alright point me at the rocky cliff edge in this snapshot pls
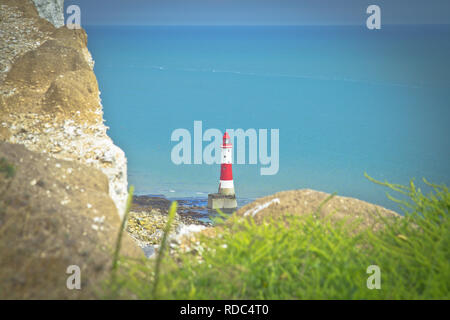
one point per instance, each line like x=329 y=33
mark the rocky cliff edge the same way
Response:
x=63 y=182
x=49 y=96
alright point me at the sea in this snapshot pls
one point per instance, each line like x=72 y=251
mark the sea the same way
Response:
x=346 y=101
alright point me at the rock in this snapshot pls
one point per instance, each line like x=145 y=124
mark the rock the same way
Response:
x=40 y=67
x=149 y=251
x=5 y=134
x=305 y=201
x=49 y=97
x=298 y=203
x=52 y=128
x=147 y=227
x=150 y=202
x=45 y=227
x=81 y=86
x=51 y=10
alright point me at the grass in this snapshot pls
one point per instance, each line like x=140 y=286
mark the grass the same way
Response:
x=7 y=169
x=307 y=258
x=159 y=259
x=115 y=263
x=7 y=172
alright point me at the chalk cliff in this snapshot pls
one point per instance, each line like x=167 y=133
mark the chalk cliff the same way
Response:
x=51 y=10
x=63 y=205
x=49 y=97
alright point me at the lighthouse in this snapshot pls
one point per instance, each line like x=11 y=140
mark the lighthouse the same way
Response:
x=226 y=197
x=226 y=185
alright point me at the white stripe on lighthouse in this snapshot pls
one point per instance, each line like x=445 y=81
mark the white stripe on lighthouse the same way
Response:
x=226 y=184
x=226 y=155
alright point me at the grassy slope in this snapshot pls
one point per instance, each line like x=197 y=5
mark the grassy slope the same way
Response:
x=312 y=259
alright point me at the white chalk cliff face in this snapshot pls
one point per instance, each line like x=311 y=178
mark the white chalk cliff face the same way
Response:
x=49 y=97
x=51 y=10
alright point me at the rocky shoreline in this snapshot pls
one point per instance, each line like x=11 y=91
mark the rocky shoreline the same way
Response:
x=148 y=217
x=149 y=214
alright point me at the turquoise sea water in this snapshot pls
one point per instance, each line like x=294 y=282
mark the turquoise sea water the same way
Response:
x=345 y=99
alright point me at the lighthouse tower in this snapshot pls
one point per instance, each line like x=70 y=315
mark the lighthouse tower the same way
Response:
x=225 y=198
x=226 y=185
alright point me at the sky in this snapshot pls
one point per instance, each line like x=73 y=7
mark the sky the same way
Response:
x=258 y=12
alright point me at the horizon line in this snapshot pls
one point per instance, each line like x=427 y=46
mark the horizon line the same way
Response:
x=260 y=25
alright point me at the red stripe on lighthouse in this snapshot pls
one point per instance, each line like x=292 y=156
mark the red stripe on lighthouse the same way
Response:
x=226 y=171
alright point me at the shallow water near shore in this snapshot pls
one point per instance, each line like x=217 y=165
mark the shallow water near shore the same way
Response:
x=346 y=101
x=196 y=207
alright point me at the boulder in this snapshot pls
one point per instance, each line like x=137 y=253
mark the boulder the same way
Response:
x=320 y=204
x=55 y=214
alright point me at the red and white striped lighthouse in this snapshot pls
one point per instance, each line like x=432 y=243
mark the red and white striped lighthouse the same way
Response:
x=226 y=186
x=225 y=198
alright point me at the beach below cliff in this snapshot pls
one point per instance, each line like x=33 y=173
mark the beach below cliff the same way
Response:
x=148 y=217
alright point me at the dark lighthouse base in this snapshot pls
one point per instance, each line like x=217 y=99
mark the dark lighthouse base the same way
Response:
x=221 y=201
